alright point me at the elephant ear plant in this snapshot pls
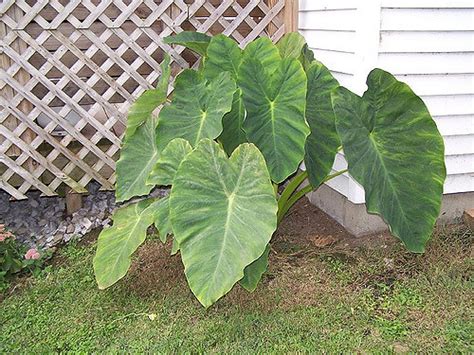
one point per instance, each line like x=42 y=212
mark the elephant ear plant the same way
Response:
x=229 y=145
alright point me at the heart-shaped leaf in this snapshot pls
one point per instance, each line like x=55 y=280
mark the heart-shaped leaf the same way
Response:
x=196 y=41
x=394 y=150
x=197 y=108
x=322 y=144
x=164 y=171
x=139 y=150
x=223 y=213
x=275 y=121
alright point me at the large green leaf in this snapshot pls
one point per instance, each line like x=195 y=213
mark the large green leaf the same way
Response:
x=139 y=151
x=143 y=107
x=116 y=244
x=291 y=45
x=164 y=171
x=253 y=272
x=275 y=121
x=264 y=51
x=137 y=158
x=395 y=151
x=197 y=108
x=223 y=213
x=223 y=54
x=322 y=144
x=196 y=41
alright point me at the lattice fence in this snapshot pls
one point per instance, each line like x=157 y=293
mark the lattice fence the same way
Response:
x=71 y=68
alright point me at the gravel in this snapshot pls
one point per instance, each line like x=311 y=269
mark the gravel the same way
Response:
x=42 y=222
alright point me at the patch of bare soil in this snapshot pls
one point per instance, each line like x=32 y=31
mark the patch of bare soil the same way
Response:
x=304 y=233
x=155 y=271
x=312 y=258
x=309 y=227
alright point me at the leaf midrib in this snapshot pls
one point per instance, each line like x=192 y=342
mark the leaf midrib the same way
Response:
x=388 y=177
x=231 y=199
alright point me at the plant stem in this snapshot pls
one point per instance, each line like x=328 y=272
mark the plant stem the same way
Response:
x=290 y=188
x=283 y=209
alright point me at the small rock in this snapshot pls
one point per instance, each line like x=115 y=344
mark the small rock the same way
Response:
x=468 y=218
x=62 y=228
x=106 y=222
x=70 y=228
x=322 y=241
x=58 y=238
x=61 y=205
x=67 y=237
x=22 y=230
x=86 y=223
x=77 y=229
x=34 y=204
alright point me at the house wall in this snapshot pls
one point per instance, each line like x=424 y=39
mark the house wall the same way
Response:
x=428 y=44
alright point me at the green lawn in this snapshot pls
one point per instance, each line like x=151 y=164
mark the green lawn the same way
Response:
x=332 y=299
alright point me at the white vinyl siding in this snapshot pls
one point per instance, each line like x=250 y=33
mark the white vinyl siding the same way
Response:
x=330 y=28
x=429 y=44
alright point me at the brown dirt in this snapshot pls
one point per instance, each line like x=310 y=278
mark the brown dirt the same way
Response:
x=308 y=253
x=306 y=232
x=309 y=227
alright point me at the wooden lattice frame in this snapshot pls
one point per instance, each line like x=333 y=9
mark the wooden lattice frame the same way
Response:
x=69 y=70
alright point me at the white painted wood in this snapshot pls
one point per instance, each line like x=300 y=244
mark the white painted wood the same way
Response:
x=425 y=41
x=460 y=164
x=342 y=41
x=439 y=84
x=450 y=105
x=420 y=19
x=455 y=125
x=367 y=42
x=459 y=183
x=341 y=62
x=324 y=5
x=458 y=145
x=428 y=63
x=428 y=4
x=338 y=20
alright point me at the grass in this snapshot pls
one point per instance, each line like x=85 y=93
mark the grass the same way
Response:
x=377 y=299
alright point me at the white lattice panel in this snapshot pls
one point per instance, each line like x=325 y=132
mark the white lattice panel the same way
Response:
x=70 y=69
